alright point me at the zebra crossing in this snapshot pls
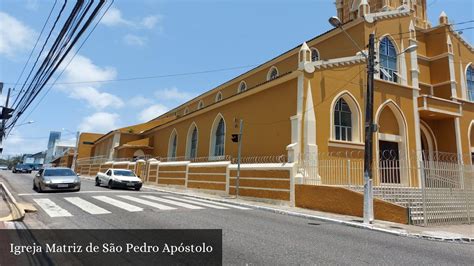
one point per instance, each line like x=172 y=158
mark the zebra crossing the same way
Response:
x=65 y=207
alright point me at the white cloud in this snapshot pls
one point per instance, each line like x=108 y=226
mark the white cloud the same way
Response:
x=100 y=122
x=139 y=101
x=95 y=99
x=173 y=94
x=152 y=112
x=17 y=144
x=83 y=69
x=15 y=37
x=150 y=22
x=113 y=17
x=134 y=40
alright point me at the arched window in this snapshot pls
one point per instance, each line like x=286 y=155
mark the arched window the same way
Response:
x=242 y=87
x=272 y=74
x=220 y=139
x=470 y=82
x=342 y=121
x=388 y=60
x=314 y=55
x=200 y=104
x=186 y=111
x=173 y=145
x=192 y=142
x=219 y=97
x=194 y=139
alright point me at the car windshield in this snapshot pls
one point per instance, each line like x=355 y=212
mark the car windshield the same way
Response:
x=123 y=173
x=58 y=172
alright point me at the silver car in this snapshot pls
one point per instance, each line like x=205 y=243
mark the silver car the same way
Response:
x=54 y=179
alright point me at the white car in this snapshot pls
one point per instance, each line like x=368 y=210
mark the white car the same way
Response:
x=119 y=178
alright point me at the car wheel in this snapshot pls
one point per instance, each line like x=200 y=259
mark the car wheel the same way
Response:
x=110 y=185
x=97 y=182
x=137 y=188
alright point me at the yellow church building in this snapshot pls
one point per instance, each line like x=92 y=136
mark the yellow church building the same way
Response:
x=308 y=103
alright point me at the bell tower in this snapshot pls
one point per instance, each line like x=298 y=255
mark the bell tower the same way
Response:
x=348 y=10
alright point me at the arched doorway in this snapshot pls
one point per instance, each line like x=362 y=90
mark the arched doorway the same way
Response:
x=391 y=145
x=139 y=154
x=429 y=145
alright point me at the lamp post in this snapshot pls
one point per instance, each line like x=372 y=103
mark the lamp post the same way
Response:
x=26 y=123
x=370 y=127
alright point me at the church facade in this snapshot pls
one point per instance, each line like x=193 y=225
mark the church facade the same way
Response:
x=310 y=99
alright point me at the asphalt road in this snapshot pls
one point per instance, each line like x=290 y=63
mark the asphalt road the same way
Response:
x=250 y=236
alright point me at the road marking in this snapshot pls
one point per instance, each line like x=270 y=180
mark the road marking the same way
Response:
x=91 y=191
x=219 y=203
x=51 y=208
x=198 y=203
x=172 y=202
x=149 y=203
x=119 y=204
x=86 y=206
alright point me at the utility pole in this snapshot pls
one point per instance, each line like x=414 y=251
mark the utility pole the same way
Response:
x=238 y=138
x=6 y=114
x=74 y=158
x=370 y=128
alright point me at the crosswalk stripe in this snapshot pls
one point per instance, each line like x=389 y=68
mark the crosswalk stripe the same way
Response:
x=172 y=202
x=51 y=208
x=119 y=204
x=86 y=206
x=147 y=202
x=197 y=203
x=219 y=203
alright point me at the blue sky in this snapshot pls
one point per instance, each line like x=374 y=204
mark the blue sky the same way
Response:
x=152 y=37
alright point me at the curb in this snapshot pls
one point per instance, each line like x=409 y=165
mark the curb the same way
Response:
x=17 y=213
x=326 y=219
x=317 y=217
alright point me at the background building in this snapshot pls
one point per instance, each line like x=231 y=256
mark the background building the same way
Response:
x=53 y=137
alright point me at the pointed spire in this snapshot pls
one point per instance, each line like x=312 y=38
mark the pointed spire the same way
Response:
x=364 y=8
x=304 y=54
x=304 y=46
x=443 y=18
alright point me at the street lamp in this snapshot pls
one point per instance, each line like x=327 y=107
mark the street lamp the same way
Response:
x=26 y=123
x=370 y=127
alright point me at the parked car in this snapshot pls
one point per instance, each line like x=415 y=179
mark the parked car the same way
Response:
x=21 y=168
x=119 y=178
x=52 y=179
x=3 y=167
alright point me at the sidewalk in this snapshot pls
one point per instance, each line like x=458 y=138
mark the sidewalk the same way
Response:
x=4 y=207
x=454 y=233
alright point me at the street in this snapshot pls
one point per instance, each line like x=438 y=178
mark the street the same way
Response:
x=250 y=236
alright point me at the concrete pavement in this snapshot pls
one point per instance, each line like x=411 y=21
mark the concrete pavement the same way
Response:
x=250 y=236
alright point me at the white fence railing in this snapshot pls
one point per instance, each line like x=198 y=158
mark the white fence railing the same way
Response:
x=437 y=188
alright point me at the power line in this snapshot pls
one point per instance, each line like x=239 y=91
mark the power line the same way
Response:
x=154 y=76
x=76 y=24
x=36 y=43
x=67 y=65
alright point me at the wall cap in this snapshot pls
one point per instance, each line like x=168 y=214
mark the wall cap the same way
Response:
x=208 y=164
